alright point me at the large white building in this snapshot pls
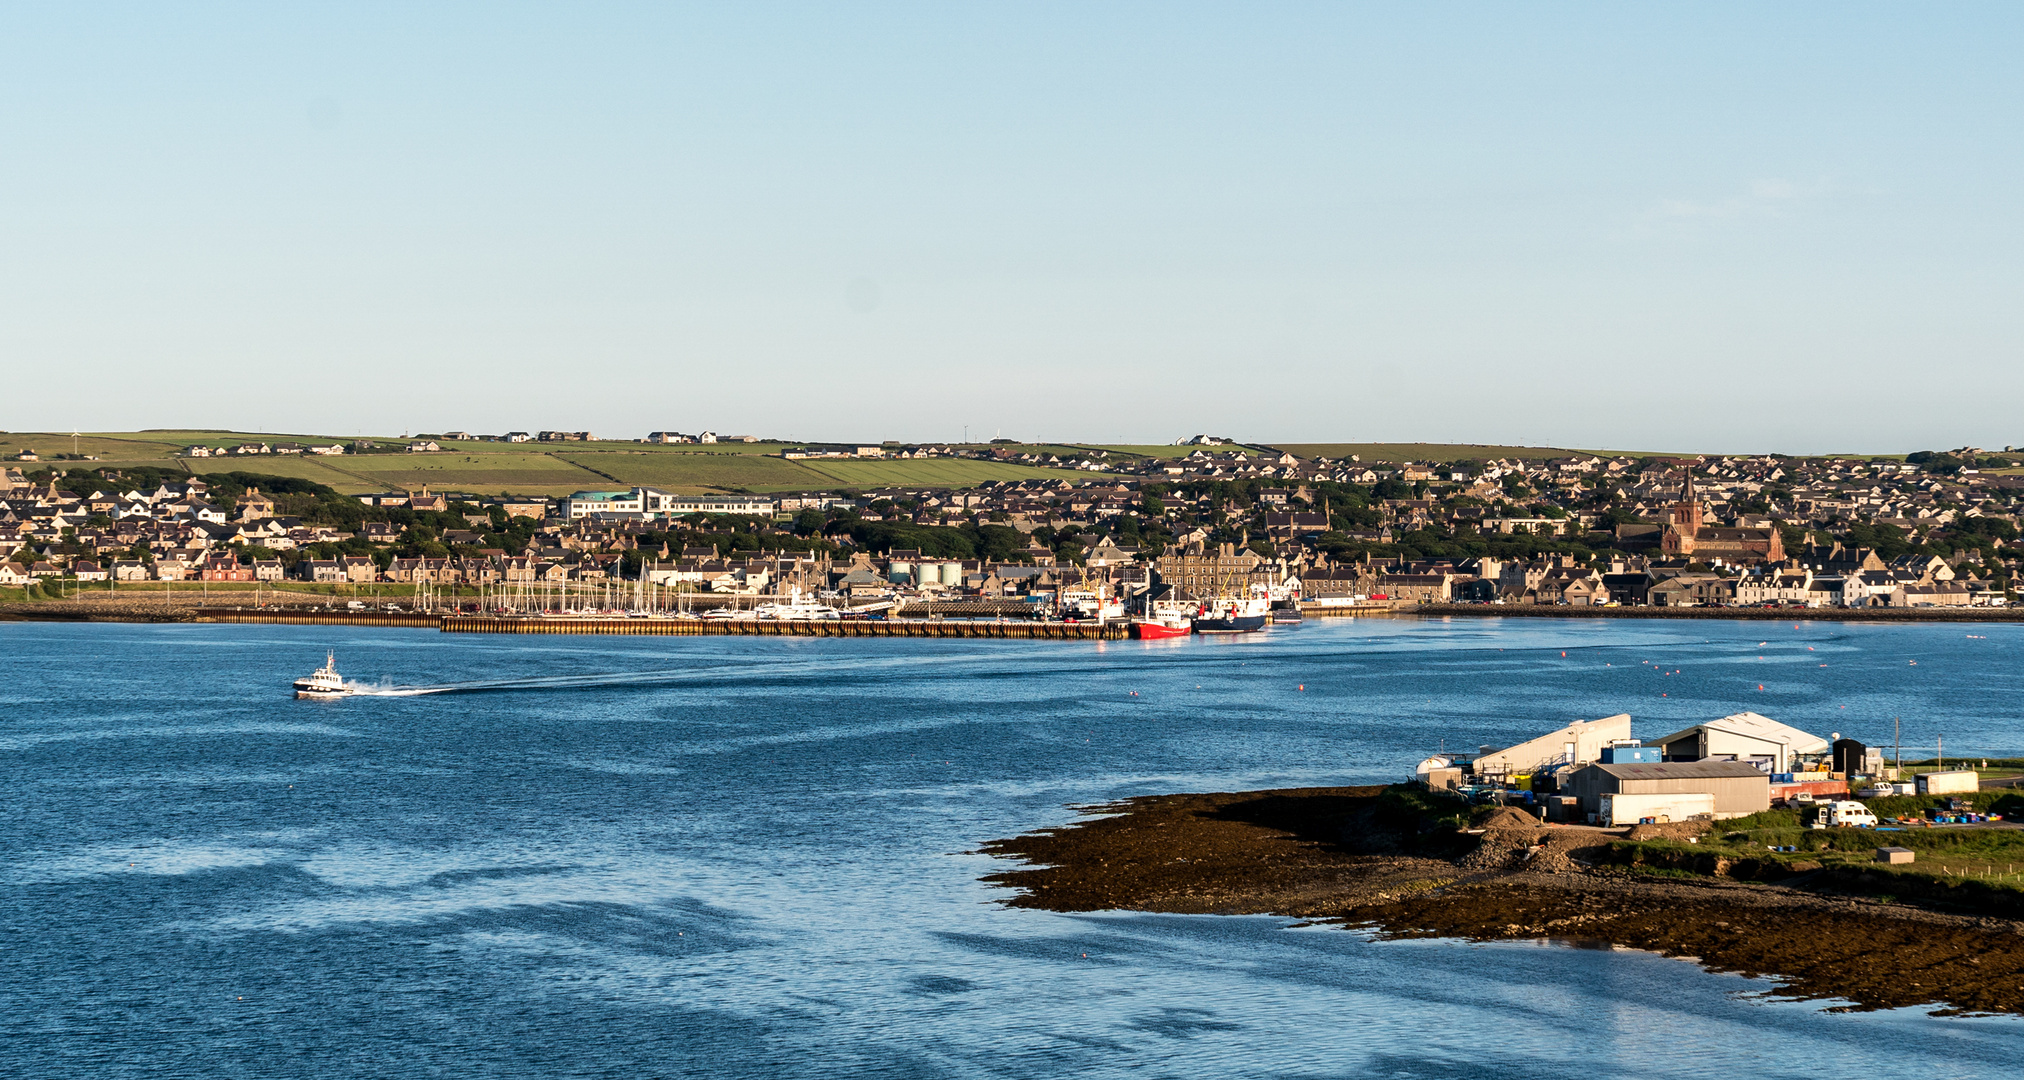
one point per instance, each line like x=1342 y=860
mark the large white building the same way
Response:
x=647 y=502
x=1575 y=744
x=1745 y=737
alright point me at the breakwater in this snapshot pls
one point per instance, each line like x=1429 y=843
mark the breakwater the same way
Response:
x=908 y=628
x=638 y=627
x=299 y=617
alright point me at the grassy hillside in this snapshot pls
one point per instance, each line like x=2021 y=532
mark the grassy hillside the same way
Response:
x=938 y=472
x=1164 y=451
x=690 y=471
x=522 y=468
x=1395 y=452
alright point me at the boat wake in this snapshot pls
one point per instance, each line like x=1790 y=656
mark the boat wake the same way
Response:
x=554 y=682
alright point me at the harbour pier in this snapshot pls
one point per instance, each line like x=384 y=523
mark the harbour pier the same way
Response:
x=1028 y=629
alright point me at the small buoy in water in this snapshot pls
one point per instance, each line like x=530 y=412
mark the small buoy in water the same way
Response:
x=1303 y=686
x=1760 y=686
x=1563 y=652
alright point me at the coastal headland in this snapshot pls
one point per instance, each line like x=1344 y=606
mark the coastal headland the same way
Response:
x=1399 y=862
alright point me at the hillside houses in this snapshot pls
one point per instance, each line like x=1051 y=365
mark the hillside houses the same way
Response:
x=1576 y=530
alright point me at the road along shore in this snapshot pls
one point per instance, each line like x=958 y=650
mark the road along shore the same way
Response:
x=1370 y=858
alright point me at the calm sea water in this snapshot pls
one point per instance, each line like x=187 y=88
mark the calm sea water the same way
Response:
x=754 y=862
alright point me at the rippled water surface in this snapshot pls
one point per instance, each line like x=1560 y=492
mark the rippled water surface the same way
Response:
x=753 y=861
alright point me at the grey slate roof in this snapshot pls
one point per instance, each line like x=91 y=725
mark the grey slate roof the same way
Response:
x=1681 y=770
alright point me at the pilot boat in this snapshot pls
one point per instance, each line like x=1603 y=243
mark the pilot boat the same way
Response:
x=324 y=682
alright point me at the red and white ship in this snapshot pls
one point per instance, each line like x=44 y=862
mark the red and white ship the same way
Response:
x=1163 y=626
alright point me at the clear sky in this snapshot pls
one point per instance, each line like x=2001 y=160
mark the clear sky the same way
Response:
x=1706 y=226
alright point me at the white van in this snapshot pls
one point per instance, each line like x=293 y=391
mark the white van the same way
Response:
x=1844 y=814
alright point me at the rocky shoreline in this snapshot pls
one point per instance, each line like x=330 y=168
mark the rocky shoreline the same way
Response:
x=1357 y=856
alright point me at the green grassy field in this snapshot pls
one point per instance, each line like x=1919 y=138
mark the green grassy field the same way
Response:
x=1445 y=452
x=520 y=473
x=937 y=472
x=121 y=447
x=1163 y=451
x=1439 y=452
x=560 y=468
x=697 y=472
x=526 y=468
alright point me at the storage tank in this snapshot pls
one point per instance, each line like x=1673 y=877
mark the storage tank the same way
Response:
x=1950 y=782
x=900 y=572
x=952 y=574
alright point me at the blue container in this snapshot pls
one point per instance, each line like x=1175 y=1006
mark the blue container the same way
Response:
x=1625 y=755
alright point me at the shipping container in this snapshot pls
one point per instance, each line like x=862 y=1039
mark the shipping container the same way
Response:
x=1951 y=782
x=1621 y=809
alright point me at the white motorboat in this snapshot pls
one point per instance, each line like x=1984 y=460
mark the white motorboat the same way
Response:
x=798 y=607
x=324 y=682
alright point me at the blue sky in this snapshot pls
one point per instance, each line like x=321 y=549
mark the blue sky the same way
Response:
x=1704 y=227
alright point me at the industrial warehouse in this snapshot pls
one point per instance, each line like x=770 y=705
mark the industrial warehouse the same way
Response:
x=1596 y=772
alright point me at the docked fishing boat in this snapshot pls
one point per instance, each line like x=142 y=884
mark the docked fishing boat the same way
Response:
x=1233 y=615
x=324 y=682
x=1092 y=603
x=1163 y=626
x=1285 y=598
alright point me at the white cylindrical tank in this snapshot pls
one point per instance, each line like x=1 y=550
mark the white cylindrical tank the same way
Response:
x=900 y=571
x=952 y=573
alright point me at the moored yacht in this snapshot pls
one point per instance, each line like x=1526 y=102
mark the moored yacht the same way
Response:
x=798 y=607
x=324 y=682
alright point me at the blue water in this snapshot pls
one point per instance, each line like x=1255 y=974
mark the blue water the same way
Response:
x=754 y=862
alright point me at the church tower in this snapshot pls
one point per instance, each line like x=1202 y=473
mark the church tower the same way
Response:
x=1685 y=526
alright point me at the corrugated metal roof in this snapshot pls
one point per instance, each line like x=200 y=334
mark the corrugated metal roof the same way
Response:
x=1683 y=770
x=1757 y=726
